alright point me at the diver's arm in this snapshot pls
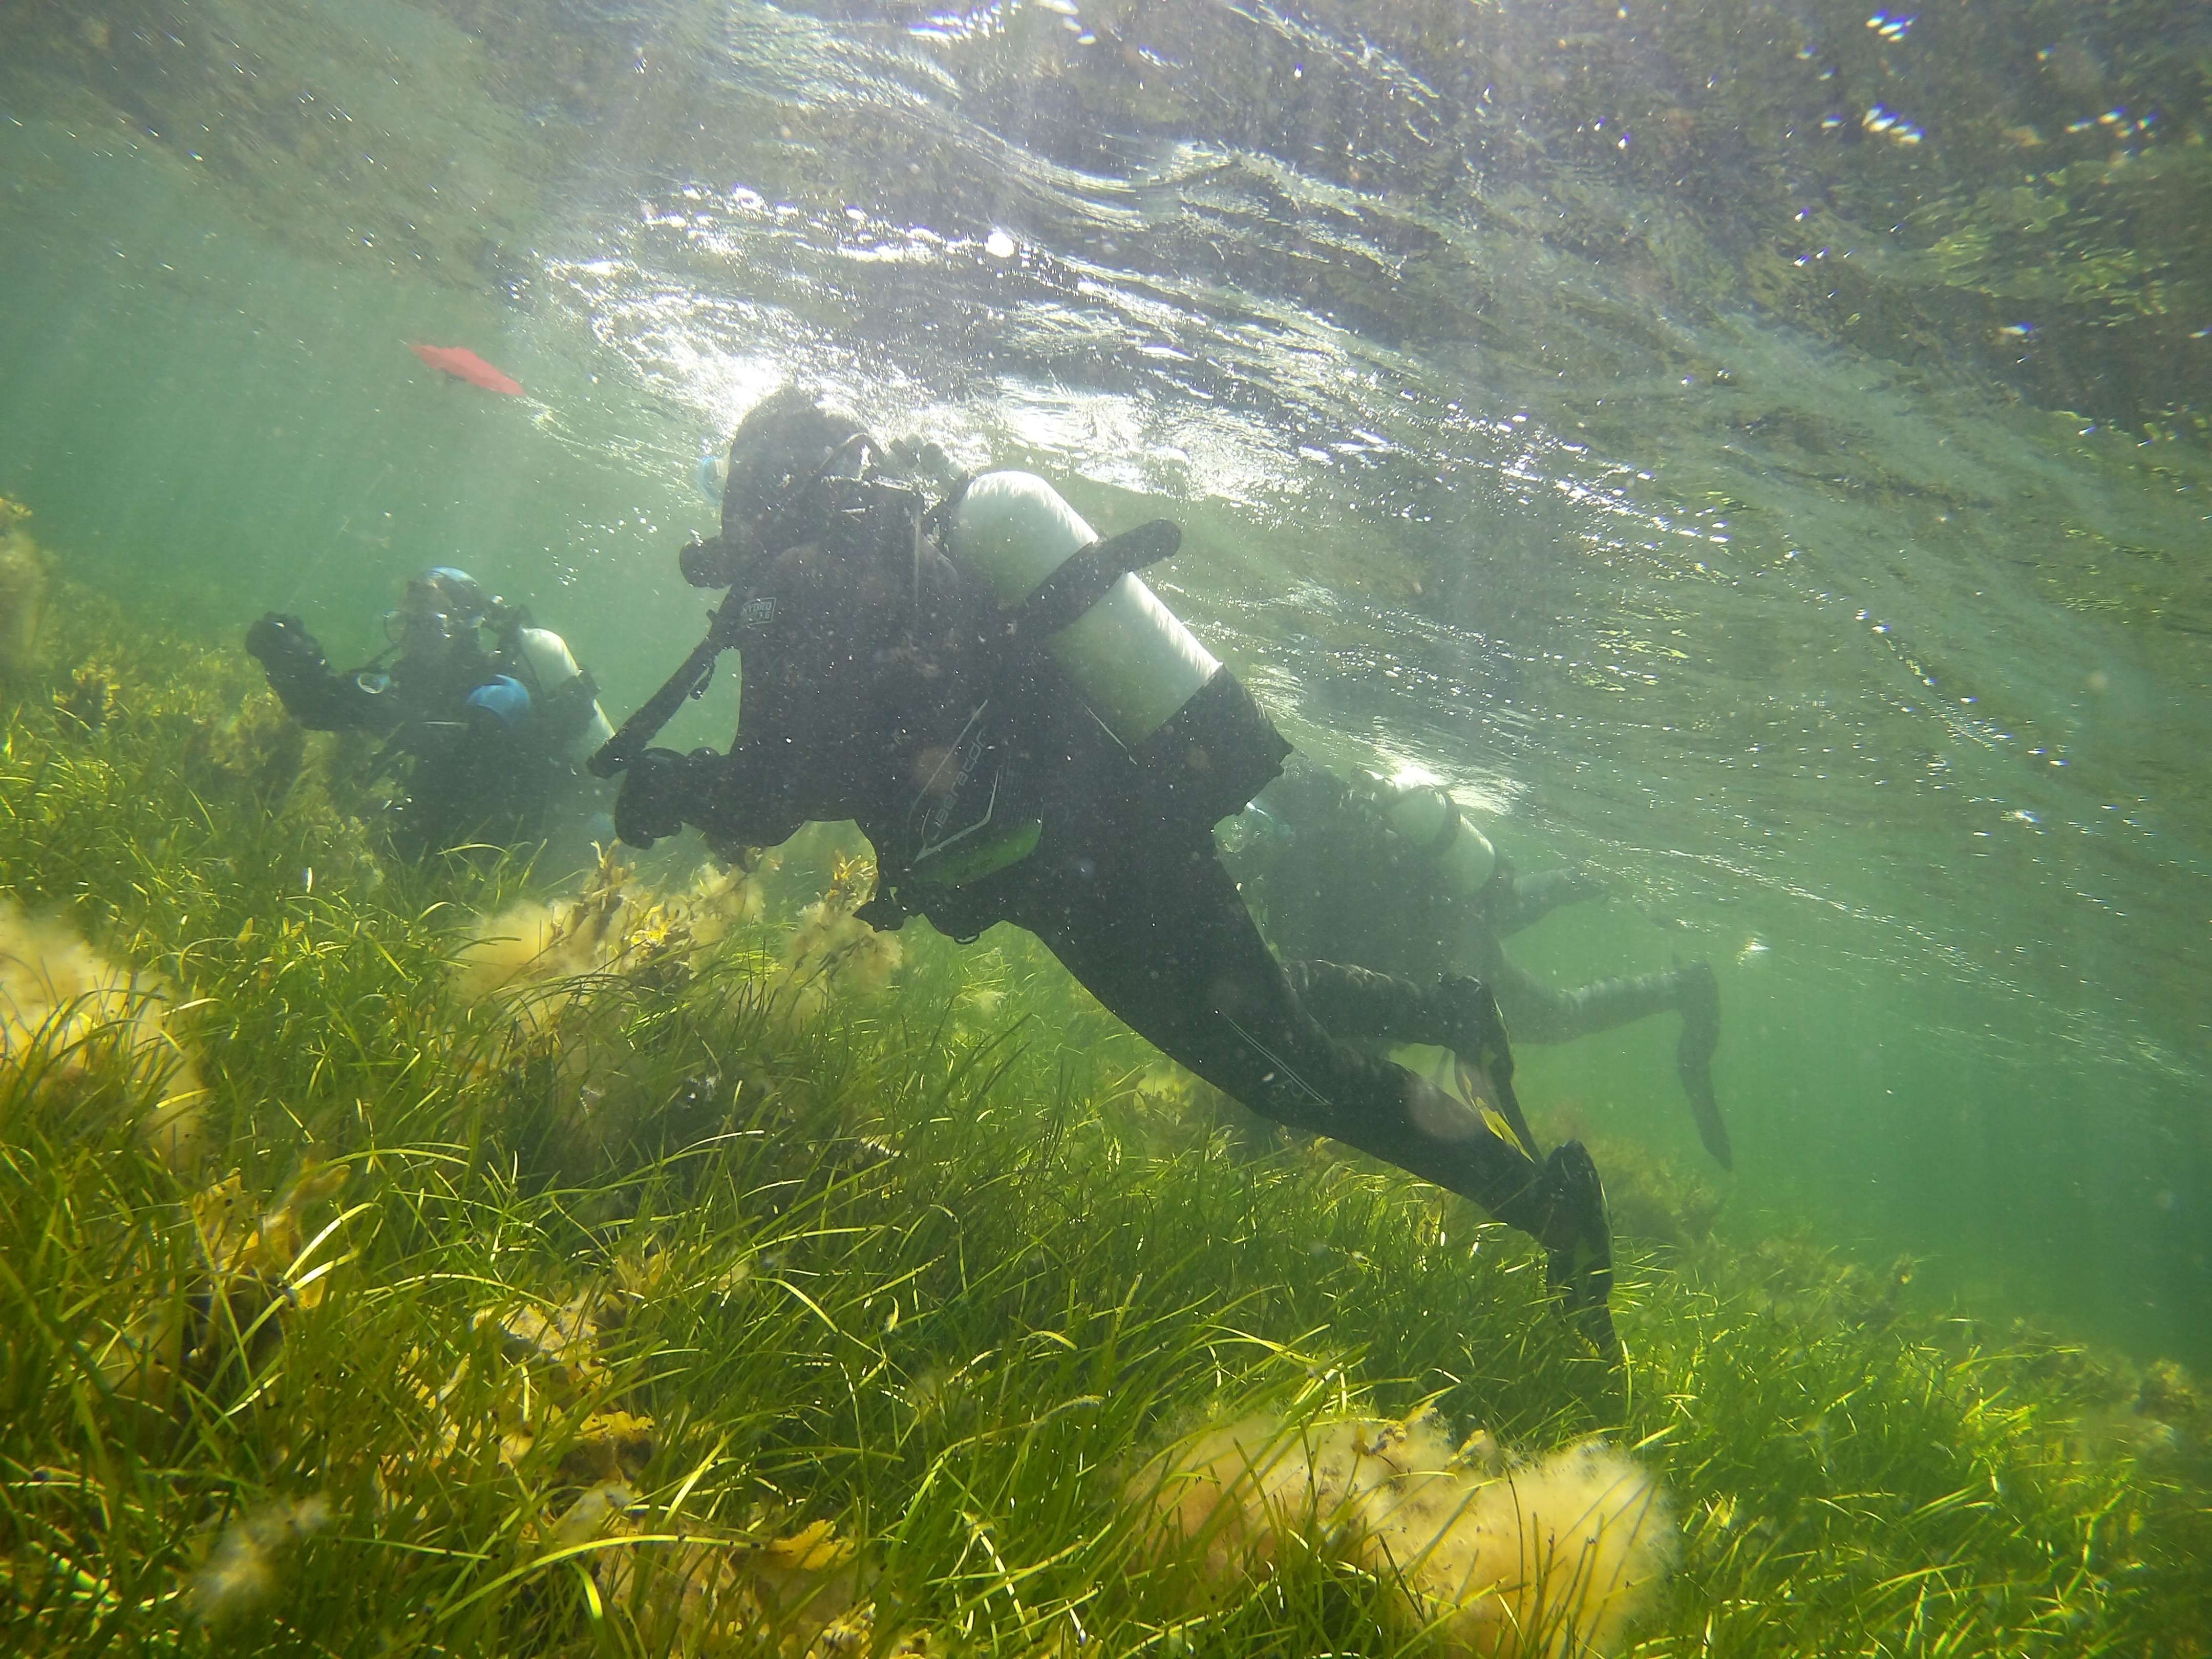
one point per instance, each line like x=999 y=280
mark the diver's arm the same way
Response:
x=300 y=676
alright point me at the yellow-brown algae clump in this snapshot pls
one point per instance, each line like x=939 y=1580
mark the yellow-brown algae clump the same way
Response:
x=252 y=1266
x=704 y=1592
x=1554 y=1557
x=796 y=1596
x=69 y=1016
x=540 y=1382
x=267 y=1247
x=725 y=898
x=832 y=952
x=542 y=957
x=533 y=951
x=240 y=1571
x=23 y=591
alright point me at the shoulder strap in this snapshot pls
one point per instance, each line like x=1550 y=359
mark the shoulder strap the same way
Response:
x=939 y=518
x=1084 y=577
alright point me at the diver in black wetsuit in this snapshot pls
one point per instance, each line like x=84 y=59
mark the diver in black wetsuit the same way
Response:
x=492 y=738
x=1396 y=878
x=1026 y=734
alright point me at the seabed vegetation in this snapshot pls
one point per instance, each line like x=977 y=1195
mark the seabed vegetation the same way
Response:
x=422 y=1261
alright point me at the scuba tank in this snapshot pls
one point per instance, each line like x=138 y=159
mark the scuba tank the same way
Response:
x=554 y=666
x=1130 y=656
x=550 y=672
x=1431 y=824
x=1204 y=746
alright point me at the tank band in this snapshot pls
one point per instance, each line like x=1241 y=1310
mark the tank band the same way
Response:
x=1210 y=757
x=1086 y=575
x=1454 y=825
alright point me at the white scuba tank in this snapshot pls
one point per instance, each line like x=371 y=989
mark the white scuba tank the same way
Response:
x=1433 y=823
x=1134 y=662
x=553 y=665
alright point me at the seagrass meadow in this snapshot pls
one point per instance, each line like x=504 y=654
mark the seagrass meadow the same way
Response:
x=453 y=1261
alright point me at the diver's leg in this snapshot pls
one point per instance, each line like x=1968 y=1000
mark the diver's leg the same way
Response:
x=1166 y=944
x=1537 y=1013
x=1358 y=1002
x=1456 y=1012
x=1195 y=980
x=1528 y=895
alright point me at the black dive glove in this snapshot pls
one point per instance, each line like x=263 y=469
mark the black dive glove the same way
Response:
x=659 y=786
x=285 y=648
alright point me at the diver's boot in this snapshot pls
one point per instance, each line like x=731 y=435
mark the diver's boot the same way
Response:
x=1698 y=995
x=1576 y=1233
x=1559 y=1203
x=1474 y=1031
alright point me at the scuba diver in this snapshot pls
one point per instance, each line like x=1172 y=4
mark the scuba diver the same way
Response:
x=1395 y=878
x=1027 y=734
x=495 y=736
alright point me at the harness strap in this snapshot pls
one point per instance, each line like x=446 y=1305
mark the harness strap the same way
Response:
x=1084 y=576
x=941 y=516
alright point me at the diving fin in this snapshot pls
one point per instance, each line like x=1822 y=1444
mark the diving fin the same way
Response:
x=1577 y=1239
x=1699 y=998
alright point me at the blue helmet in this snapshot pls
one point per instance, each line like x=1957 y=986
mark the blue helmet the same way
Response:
x=504 y=698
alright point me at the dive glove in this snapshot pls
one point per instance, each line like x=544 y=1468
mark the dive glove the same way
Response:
x=283 y=646
x=656 y=789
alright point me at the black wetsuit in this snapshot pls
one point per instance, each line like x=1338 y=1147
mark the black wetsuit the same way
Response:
x=479 y=769
x=875 y=683
x=1342 y=883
